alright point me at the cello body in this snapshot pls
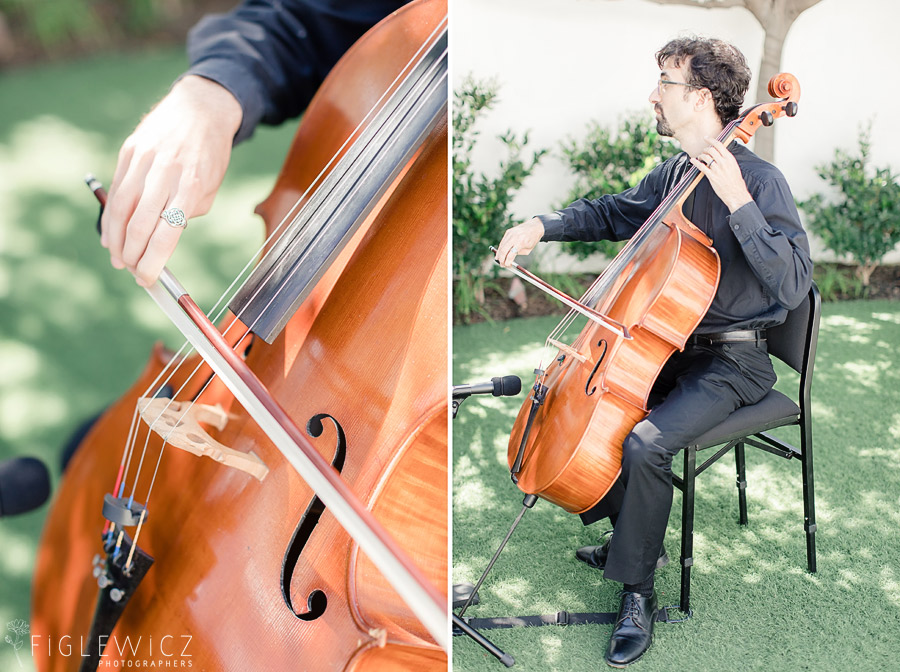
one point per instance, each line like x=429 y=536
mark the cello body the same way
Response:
x=247 y=574
x=598 y=389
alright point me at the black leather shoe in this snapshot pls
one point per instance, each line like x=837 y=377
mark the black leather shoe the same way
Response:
x=595 y=556
x=634 y=629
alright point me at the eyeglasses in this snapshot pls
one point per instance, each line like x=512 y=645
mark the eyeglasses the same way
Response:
x=661 y=85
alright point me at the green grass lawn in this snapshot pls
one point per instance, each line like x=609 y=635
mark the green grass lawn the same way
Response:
x=75 y=333
x=756 y=607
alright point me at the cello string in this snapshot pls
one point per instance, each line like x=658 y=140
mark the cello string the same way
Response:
x=175 y=361
x=151 y=425
x=276 y=233
x=318 y=179
x=614 y=270
x=592 y=296
x=599 y=286
x=137 y=472
x=430 y=71
x=302 y=202
x=132 y=436
x=353 y=190
x=122 y=472
x=275 y=295
x=126 y=453
x=283 y=224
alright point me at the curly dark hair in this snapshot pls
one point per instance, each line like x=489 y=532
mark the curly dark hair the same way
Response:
x=714 y=65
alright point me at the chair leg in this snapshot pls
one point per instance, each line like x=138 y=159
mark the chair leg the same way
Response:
x=740 y=463
x=687 y=527
x=809 y=498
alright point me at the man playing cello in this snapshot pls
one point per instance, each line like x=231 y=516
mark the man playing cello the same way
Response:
x=745 y=206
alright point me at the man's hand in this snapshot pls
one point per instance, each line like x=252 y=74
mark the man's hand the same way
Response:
x=519 y=239
x=724 y=174
x=175 y=158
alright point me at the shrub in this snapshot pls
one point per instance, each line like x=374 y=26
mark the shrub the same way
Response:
x=836 y=282
x=480 y=202
x=610 y=161
x=51 y=23
x=863 y=221
x=52 y=28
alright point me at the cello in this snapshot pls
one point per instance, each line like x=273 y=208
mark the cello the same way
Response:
x=236 y=562
x=641 y=310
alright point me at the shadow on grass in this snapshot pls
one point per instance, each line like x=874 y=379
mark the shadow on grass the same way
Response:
x=756 y=605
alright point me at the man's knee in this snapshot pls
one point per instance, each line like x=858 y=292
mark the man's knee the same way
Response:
x=640 y=451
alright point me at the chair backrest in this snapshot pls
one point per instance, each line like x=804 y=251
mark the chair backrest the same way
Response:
x=794 y=342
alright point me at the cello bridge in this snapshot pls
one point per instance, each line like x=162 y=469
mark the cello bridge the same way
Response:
x=567 y=349
x=178 y=423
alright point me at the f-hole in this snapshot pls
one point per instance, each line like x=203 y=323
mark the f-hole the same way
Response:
x=316 y=601
x=601 y=343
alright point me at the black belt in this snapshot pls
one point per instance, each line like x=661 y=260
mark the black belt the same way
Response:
x=745 y=336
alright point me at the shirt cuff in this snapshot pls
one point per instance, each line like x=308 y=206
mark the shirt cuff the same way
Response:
x=745 y=221
x=240 y=84
x=553 y=226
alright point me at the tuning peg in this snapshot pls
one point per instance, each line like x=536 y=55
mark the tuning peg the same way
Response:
x=790 y=109
x=766 y=118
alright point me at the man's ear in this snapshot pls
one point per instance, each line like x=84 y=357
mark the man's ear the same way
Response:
x=704 y=99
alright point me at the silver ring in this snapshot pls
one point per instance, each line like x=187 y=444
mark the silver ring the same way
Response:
x=174 y=217
x=514 y=250
x=709 y=165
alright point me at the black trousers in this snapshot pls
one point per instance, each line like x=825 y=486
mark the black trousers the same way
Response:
x=695 y=391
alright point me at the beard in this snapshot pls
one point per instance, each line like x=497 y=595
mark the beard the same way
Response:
x=662 y=124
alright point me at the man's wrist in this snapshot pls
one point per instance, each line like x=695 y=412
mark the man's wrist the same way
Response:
x=537 y=224
x=738 y=202
x=227 y=110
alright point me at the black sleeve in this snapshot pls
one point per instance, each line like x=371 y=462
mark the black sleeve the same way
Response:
x=611 y=217
x=772 y=239
x=272 y=55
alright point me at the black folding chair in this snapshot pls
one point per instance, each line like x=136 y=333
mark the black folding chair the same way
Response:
x=794 y=343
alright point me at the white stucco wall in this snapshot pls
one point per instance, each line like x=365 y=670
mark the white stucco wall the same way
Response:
x=562 y=63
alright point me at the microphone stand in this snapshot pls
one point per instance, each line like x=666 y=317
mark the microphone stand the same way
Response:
x=460 y=625
x=455 y=404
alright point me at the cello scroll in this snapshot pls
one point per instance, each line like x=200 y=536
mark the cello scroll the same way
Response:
x=783 y=86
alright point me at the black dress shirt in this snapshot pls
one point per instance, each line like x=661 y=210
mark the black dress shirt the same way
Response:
x=764 y=252
x=272 y=55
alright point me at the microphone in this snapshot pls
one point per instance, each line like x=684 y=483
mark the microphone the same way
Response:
x=508 y=386
x=24 y=485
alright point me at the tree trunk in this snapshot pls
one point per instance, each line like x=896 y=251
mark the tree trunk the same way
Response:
x=864 y=273
x=771 y=66
x=776 y=18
